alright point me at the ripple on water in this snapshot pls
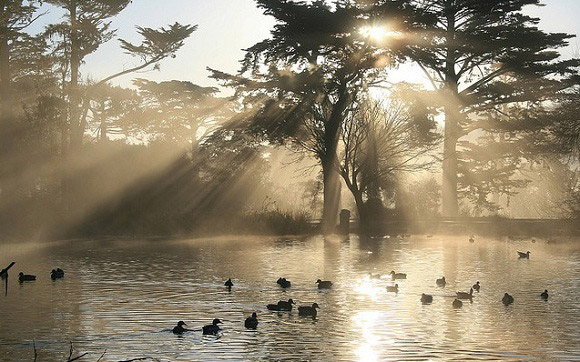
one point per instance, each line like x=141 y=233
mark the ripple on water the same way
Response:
x=126 y=296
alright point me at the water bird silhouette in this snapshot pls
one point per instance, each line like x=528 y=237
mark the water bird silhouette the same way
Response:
x=324 y=284
x=544 y=294
x=308 y=311
x=457 y=303
x=229 y=283
x=523 y=255
x=441 y=282
x=57 y=273
x=284 y=283
x=282 y=306
x=398 y=275
x=426 y=298
x=465 y=295
x=212 y=328
x=393 y=288
x=476 y=286
x=507 y=299
x=178 y=329
x=252 y=322
x=26 y=277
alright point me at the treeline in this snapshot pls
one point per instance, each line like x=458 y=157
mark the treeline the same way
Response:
x=81 y=157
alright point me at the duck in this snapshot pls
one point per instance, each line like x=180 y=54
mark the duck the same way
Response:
x=282 y=305
x=284 y=283
x=426 y=298
x=476 y=286
x=56 y=273
x=229 y=283
x=212 y=328
x=544 y=295
x=507 y=299
x=26 y=277
x=308 y=311
x=252 y=322
x=523 y=255
x=441 y=282
x=324 y=284
x=398 y=275
x=393 y=288
x=178 y=329
x=457 y=303
x=465 y=295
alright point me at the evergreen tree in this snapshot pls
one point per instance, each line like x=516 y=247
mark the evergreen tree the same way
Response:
x=481 y=55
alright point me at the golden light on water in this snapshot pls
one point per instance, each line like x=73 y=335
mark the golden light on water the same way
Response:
x=369 y=342
x=368 y=288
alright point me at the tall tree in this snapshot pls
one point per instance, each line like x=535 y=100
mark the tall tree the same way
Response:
x=382 y=141
x=86 y=26
x=311 y=68
x=467 y=50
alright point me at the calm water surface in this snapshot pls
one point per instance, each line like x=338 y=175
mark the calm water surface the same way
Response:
x=124 y=297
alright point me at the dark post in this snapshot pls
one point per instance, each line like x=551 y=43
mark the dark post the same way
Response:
x=344 y=226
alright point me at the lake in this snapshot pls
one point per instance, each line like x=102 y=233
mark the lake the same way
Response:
x=123 y=297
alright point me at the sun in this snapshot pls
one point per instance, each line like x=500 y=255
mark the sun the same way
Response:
x=378 y=33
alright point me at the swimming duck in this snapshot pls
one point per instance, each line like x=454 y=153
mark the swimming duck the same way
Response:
x=284 y=283
x=457 y=303
x=476 y=286
x=465 y=295
x=252 y=322
x=441 y=282
x=523 y=255
x=507 y=299
x=393 y=288
x=426 y=298
x=229 y=283
x=56 y=274
x=324 y=284
x=398 y=275
x=544 y=295
x=178 y=329
x=281 y=306
x=308 y=311
x=212 y=328
x=25 y=277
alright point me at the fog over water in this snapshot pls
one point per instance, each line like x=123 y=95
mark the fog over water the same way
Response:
x=124 y=297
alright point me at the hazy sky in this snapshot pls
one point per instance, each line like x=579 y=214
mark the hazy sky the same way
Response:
x=228 y=26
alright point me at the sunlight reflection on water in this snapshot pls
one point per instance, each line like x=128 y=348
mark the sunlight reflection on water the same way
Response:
x=126 y=296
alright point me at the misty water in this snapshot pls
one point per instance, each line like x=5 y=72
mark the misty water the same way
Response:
x=125 y=296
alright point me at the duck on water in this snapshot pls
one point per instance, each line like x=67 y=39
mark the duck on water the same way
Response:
x=308 y=311
x=251 y=322
x=212 y=328
x=398 y=275
x=57 y=273
x=282 y=306
x=26 y=277
x=523 y=255
x=178 y=329
x=324 y=284
x=284 y=283
x=465 y=295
